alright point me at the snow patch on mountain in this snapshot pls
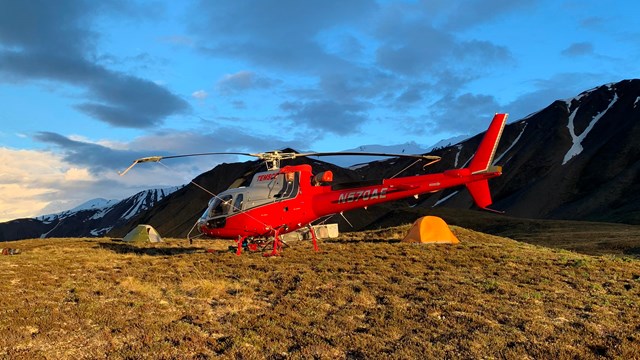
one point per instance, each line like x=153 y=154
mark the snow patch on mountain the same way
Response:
x=459 y=147
x=100 y=232
x=510 y=146
x=576 y=148
x=445 y=198
x=94 y=204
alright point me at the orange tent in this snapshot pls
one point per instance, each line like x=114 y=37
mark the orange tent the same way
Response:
x=430 y=229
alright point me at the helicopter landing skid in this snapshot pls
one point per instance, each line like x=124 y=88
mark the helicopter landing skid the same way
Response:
x=277 y=245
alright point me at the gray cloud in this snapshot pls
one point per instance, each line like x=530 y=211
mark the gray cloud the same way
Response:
x=546 y=91
x=331 y=116
x=465 y=14
x=239 y=104
x=578 y=49
x=411 y=95
x=243 y=81
x=466 y=114
x=594 y=23
x=38 y=45
x=416 y=50
x=96 y=157
x=221 y=139
x=99 y=159
x=279 y=34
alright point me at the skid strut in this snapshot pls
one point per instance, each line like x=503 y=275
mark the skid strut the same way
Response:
x=240 y=241
x=314 y=238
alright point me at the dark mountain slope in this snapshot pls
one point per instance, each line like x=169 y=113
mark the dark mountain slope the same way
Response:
x=541 y=178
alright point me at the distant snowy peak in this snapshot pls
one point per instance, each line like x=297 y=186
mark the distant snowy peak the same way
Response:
x=94 y=204
x=408 y=148
x=97 y=209
x=91 y=205
x=448 y=142
x=144 y=200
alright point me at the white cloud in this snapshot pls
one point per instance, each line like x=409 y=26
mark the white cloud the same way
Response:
x=76 y=174
x=34 y=182
x=200 y=94
x=29 y=180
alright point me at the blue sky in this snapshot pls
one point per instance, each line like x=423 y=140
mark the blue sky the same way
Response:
x=86 y=87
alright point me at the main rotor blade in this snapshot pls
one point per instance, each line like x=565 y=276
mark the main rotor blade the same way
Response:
x=158 y=158
x=208 y=153
x=276 y=156
x=359 y=153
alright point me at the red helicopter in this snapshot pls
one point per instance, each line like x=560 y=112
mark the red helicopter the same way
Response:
x=282 y=200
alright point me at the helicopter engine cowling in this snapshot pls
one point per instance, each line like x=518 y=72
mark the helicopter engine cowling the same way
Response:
x=323 y=178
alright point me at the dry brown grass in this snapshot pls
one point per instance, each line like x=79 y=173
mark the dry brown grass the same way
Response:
x=364 y=296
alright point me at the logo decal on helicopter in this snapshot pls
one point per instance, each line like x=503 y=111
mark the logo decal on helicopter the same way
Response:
x=267 y=177
x=364 y=195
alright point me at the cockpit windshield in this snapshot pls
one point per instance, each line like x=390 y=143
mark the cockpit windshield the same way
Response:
x=219 y=206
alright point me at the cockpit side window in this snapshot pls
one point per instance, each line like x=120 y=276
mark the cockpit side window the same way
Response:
x=290 y=186
x=237 y=204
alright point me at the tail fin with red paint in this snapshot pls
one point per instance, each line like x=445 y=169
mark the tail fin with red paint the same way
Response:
x=480 y=193
x=481 y=162
x=486 y=151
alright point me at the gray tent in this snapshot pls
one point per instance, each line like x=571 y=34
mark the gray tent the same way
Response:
x=143 y=233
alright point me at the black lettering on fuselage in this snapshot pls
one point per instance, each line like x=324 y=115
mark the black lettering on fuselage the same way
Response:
x=364 y=195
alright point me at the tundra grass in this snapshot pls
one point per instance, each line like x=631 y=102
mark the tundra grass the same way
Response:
x=365 y=295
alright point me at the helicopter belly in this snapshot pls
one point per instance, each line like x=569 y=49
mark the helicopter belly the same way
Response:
x=283 y=216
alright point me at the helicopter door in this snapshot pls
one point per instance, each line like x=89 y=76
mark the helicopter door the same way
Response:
x=290 y=186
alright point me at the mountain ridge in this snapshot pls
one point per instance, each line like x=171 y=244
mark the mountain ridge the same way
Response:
x=576 y=159
x=92 y=218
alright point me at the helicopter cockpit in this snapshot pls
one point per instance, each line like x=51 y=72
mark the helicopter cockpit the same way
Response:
x=265 y=188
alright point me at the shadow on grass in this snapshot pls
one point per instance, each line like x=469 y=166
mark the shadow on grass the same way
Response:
x=355 y=241
x=635 y=251
x=122 y=248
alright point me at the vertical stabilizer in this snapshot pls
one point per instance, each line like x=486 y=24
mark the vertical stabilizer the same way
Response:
x=486 y=151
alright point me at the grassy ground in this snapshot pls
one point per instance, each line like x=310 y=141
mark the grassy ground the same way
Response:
x=364 y=296
x=591 y=238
